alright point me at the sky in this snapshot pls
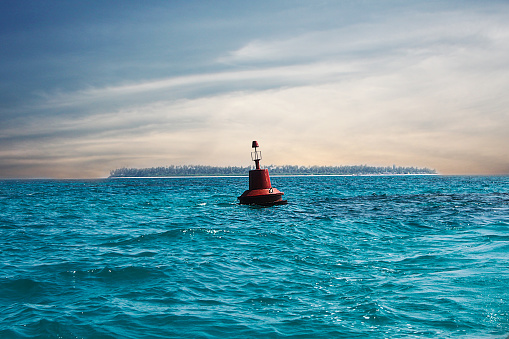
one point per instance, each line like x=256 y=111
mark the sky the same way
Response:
x=90 y=86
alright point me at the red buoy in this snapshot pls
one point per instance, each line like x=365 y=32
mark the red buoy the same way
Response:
x=260 y=190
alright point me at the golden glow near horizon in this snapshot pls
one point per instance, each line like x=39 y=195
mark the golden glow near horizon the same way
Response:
x=414 y=84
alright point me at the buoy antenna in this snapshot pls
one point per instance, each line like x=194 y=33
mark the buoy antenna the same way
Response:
x=256 y=156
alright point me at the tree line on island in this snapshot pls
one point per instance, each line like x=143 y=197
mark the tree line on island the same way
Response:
x=200 y=170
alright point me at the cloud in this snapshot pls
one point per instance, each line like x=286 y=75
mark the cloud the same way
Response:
x=411 y=88
x=410 y=32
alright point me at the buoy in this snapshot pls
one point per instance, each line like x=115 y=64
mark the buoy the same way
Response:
x=260 y=190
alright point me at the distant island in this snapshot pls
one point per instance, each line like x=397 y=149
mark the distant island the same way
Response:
x=200 y=170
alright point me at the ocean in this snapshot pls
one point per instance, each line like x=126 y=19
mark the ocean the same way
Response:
x=348 y=257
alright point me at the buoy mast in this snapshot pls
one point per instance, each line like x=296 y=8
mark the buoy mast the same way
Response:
x=256 y=156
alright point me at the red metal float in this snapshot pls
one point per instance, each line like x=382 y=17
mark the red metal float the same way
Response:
x=260 y=190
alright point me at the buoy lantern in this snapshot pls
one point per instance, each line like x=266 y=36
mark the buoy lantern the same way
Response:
x=260 y=190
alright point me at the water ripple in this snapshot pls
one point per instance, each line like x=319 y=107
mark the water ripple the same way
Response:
x=388 y=257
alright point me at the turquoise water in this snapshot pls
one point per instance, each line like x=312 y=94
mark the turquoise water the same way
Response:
x=377 y=257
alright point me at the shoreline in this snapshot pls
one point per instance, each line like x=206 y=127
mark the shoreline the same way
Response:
x=278 y=175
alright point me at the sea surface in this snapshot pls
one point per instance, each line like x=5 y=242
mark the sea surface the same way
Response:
x=348 y=257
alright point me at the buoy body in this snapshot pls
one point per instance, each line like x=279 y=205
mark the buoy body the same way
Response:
x=260 y=190
x=259 y=179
